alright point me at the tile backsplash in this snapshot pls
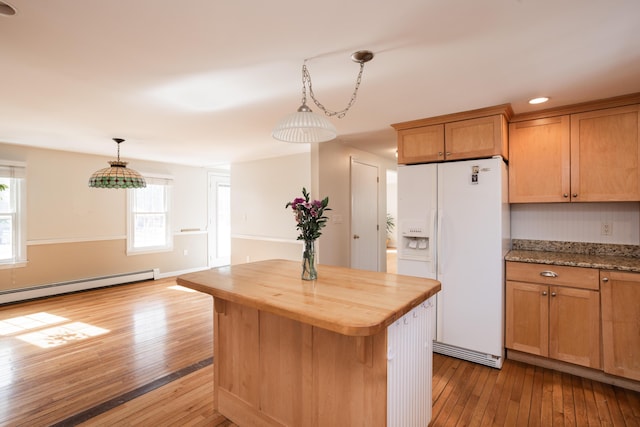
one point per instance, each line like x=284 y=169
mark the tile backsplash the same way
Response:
x=577 y=222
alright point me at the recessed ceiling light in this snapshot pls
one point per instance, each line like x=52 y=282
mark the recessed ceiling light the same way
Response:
x=6 y=9
x=539 y=100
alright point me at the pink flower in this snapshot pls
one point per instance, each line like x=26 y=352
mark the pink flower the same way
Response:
x=296 y=202
x=309 y=215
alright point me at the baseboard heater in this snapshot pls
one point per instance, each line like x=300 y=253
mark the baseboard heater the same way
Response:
x=469 y=355
x=14 y=295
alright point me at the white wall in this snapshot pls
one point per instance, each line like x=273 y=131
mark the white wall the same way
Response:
x=576 y=222
x=334 y=182
x=75 y=232
x=59 y=180
x=261 y=227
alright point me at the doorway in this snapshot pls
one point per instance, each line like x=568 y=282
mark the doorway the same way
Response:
x=219 y=220
x=364 y=216
x=392 y=220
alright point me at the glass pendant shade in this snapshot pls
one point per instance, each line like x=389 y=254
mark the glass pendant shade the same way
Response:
x=117 y=176
x=304 y=126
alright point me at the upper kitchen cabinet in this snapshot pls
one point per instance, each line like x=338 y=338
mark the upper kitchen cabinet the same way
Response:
x=605 y=155
x=421 y=145
x=582 y=153
x=467 y=135
x=539 y=154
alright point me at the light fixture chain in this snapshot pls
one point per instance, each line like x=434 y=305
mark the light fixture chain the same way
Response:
x=306 y=77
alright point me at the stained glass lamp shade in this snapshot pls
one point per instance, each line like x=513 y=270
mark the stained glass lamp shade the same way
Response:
x=118 y=175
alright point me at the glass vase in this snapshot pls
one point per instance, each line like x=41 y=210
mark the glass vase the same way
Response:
x=309 y=271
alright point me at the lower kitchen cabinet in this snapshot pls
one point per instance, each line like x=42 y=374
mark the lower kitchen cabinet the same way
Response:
x=621 y=323
x=554 y=312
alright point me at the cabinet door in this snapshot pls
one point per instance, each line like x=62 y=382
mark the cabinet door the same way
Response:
x=476 y=138
x=421 y=145
x=605 y=155
x=527 y=318
x=539 y=160
x=574 y=326
x=621 y=323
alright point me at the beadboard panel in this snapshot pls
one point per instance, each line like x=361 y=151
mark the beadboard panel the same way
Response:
x=576 y=222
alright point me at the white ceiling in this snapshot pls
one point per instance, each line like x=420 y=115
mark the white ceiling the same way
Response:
x=203 y=82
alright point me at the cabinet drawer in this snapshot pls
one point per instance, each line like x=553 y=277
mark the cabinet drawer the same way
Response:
x=574 y=277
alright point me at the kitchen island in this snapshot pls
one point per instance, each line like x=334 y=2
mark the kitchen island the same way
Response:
x=351 y=348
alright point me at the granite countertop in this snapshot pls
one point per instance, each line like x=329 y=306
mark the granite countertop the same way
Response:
x=575 y=254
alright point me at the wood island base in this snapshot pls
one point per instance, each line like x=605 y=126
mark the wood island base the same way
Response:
x=276 y=365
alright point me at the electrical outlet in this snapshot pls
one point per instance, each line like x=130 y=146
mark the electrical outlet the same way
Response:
x=606 y=228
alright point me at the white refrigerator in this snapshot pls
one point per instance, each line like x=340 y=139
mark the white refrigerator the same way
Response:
x=453 y=221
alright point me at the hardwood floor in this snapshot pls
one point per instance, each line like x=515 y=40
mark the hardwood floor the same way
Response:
x=140 y=354
x=519 y=394
x=64 y=355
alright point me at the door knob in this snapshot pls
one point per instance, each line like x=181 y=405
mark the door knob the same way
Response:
x=355 y=236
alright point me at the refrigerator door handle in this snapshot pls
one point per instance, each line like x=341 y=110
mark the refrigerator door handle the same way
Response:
x=434 y=238
x=439 y=239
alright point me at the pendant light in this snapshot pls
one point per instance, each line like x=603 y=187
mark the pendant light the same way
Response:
x=306 y=126
x=118 y=175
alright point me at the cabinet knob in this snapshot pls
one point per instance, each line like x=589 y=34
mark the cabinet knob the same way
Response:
x=553 y=294
x=439 y=153
x=355 y=236
x=565 y=195
x=448 y=153
x=574 y=195
x=605 y=279
x=544 y=293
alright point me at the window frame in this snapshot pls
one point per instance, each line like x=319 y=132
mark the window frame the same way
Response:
x=17 y=173
x=167 y=184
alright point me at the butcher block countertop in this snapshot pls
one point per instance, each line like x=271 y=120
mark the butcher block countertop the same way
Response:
x=592 y=255
x=343 y=300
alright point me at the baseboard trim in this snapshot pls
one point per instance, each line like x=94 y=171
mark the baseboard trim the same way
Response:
x=52 y=289
x=159 y=275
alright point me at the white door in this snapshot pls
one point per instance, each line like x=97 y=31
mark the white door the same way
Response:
x=364 y=216
x=219 y=220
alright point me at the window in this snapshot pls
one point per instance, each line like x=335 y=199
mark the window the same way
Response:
x=149 y=225
x=13 y=235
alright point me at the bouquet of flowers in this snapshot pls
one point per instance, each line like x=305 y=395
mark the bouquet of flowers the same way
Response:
x=309 y=215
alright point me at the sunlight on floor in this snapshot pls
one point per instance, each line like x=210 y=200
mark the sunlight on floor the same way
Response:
x=52 y=336
x=59 y=335
x=181 y=288
x=31 y=321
